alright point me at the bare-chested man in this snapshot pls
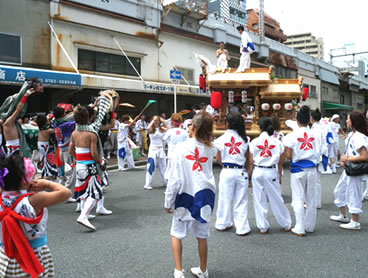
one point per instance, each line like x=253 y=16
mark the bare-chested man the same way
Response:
x=11 y=135
x=88 y=187
x=46 y=148
x=222 y=56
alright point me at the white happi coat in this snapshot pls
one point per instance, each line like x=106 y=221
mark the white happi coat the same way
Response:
x=349 y=191
x=266 y=151
x=156 y=157
x=172 y=138
x=124 y=150
x=233 y=185
x=191 y=186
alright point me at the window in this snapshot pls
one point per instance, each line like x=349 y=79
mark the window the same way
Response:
x=188 y=75
x=255 y=26
x=312 y=91
x=342 y=99
x=106 y=62
x=324 y=90
x=10 y=49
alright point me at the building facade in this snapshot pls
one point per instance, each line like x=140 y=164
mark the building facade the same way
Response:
x=272 y=28
x=231 y=11
x=306 y=43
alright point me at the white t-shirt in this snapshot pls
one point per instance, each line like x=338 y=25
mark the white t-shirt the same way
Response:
x=266 y=150
x=335 y=127
x=318 y=130
x=123 y=132
x=173 y=137
x=157 y=138
x=232 y=147
x=354 y=142
x=191 y=181
x=304 y=144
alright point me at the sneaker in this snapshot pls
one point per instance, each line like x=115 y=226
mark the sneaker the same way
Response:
x=352 y=225
x=296 y=233
x=327 y=172
x=178 y=274
x=84 y=221
x=196 y=271
x=148 y=187
x=288 y=228
x=244 y=234
x=91 y=216
x=225 y=229
x=263 y=231
x=71 y=200
x=339 y=218
x=103 y=211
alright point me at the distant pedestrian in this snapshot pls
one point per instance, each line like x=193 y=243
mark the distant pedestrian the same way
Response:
x=124 y=148
x=246 y=48
x=156 y=155
x=23 y=218
x=334 y=147
x=266 y=159
x=233 y=153
x=348 y=191
x=191 y=190
x=141 y=128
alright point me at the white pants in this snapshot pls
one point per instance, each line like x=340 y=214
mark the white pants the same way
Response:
x=303 y=187
x=180 y=229
x=244 y=62
x=70 y=176
x=233 y=186
x=365 y=179
x=125 y=153
x=156 y=159
x=348 y=192
x=318 y=190
x=266 y=186
x=333 y=150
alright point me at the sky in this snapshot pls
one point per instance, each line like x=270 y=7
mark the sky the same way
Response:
x=340 y=23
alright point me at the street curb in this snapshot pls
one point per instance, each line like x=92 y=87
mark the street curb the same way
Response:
x=136 y=163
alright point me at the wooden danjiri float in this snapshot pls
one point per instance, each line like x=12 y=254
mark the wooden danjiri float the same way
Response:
x=255 y=93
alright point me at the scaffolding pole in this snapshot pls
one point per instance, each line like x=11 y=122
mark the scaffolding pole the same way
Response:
x=130 y=62
x=62 y=47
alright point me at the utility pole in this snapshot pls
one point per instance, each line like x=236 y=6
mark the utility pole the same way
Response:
x=261 y=20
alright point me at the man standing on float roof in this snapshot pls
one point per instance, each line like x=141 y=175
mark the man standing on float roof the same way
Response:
x=246 y=48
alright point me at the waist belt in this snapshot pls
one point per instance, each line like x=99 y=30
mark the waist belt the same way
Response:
x=232 y=166
x=35 y=243
x=84 y=158
x=266 y=167
x=114 y=131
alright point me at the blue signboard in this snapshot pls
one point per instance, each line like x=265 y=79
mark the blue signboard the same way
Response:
x=175 y=74
x=47 y=77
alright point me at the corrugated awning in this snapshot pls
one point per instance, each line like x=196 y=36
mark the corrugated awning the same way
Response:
x=335 y=106
x=329 y=77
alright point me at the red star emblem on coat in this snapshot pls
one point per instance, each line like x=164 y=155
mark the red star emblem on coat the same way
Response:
x=197 y=160
x=233 y=146
x=306 y=142
x=266 y=149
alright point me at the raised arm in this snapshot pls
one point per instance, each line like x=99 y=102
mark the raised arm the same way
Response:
x=58 y=194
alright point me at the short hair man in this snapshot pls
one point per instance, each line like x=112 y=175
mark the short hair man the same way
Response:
x=222 y=56
x=246 y=48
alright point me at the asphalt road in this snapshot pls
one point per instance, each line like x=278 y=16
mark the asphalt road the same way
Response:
x=135 y=241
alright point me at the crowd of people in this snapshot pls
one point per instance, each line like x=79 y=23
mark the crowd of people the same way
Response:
x=73 y=142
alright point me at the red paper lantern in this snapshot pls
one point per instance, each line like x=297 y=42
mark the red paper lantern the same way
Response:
x=305 y=93
x=216 y=100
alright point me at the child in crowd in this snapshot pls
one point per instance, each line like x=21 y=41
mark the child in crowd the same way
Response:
x=233 y=186
x=156 y=154
x=172 y=138
x=23 y=219
x=265 y=169
x=303 y=148
x=192 y=182
x=124 y=149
